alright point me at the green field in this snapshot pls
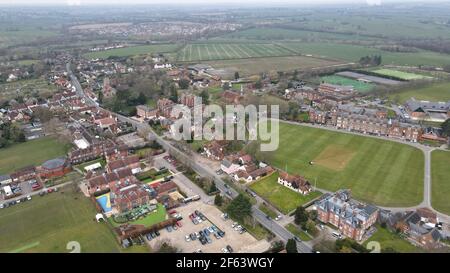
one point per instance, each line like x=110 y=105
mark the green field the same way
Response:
x=34 y=152
x=360 y=86
x=353 y=53
x=383 y=172
x=206 y=52
x=132 y=50
x=47 y=224
x=389 y=239
x=440 y=182
x=255 y=66
x=433 y=92
x=284 y=199
x=399 y=74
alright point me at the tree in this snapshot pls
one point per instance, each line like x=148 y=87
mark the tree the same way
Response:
x=291 y=246
x=183 y=83
x=236 y=75
x=212 y=188
x=240 y=207
x=100 y=97
x=218 y=200
x=446 y=128
x=300 y=216
x=258 y=84
x=173 y=93
x=205 y=96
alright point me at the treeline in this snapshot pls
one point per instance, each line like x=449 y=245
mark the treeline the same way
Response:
x=10 y=134
x=437 y=45
x=373 y=60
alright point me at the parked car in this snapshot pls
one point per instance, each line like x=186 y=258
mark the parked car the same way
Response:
x=208 y=240
x=278 y=218
x=224 y=250
x=169 y=228
x=1 y=206
x=211 y=230
x=229 y=248
x=149 y=236
x=179 y=224
x=234 y=224
x=28 y=197
x=221 y=233
x=192 y=236
x=206 y=231
x=187 y=238
x=174 y=227
x=157 y=233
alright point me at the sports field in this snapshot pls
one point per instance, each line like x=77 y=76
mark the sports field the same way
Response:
x=48 y=223
x=440 y=182
x=399 y=74
x=132 y=50
x=206 y=52
x=360 y=86
x=284 y=199
x=384 y=172
x=32 y=152
x=434 y=92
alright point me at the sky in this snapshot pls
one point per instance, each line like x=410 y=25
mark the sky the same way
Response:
x=130 y=2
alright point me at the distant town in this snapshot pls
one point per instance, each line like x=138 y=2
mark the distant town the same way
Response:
x=88 y=151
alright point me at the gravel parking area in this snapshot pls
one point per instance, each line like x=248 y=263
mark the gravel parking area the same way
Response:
x=239 y=242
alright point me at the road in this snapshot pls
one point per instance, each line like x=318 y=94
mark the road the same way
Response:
x=276 y=228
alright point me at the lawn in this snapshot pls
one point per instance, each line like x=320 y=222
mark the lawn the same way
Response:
x=152 y=218
x=47 y=224
x=399 y=74
x=132 y=50
x=34 y=152
x=440 y=186
x=284 y=199
x=223 y=51
x=389 y=239
x=360 y=86
x=434 y=92
x=384 y=172
x=268 y=211
x=298 y=232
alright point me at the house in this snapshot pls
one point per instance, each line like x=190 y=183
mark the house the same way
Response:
x=215 y=149
x=129 y=197
x=146 y=112
x=129 y=162
x=229 y=165
x=231 y=97
x=260 y=173
x=5 y=180
x=294 y=182
x=54 y=168
x=24 y=174
x=352 y=218
x=420 y=226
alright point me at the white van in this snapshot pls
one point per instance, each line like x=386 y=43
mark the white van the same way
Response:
x=337 y=234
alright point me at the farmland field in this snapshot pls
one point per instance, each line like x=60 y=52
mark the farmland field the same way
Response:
x=284 y=199
x=354 y=52
x=399 y=74
x=440 y=182
x=205 y=52
x=48 y=223
x=32 y=152
x=132 y=50
x=248 y=67
x=383 y=172
x=360 y=86
x=434 y=92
